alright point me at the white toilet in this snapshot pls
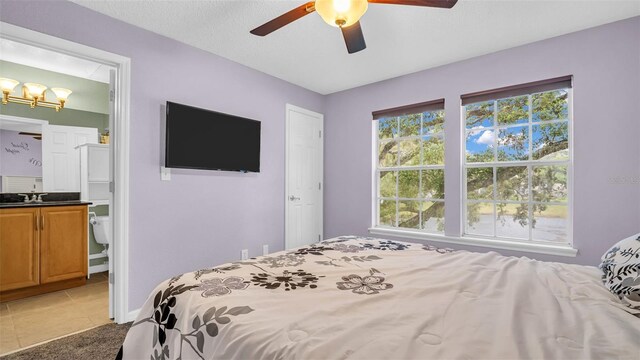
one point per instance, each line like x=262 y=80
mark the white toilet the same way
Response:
x=102 y=230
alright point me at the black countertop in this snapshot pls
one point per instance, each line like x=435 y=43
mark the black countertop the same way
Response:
x=9 y=205
x=14 y=200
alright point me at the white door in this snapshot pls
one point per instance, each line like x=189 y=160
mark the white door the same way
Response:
x=303 y=181
x=60 y=158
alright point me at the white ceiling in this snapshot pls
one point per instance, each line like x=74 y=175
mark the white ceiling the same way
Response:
x=400 y=39
x=36 y=57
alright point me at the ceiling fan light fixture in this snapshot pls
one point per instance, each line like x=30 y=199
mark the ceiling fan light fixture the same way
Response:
x=341 y=13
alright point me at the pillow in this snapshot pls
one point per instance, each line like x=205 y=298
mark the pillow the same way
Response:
x=621 y=270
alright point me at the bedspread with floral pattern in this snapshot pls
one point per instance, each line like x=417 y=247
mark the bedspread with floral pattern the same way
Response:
x=364 y=298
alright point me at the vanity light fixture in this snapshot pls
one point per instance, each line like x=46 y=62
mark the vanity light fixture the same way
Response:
x=33 y=94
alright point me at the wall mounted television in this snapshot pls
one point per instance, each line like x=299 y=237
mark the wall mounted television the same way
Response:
x=208 y=140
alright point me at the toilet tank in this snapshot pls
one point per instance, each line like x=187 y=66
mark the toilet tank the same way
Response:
x=102 y=229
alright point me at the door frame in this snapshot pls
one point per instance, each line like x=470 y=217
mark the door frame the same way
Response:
x=120 y=144
x=288 y=109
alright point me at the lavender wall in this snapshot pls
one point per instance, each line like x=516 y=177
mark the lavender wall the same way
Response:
x=20 y=155
x=605 y=62
x=200 y=218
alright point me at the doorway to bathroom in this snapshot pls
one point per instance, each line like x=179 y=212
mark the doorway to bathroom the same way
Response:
x=90 y=141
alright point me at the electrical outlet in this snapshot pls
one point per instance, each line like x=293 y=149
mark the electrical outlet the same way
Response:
x=165 y=174
x=244 y=254
x=265 y=249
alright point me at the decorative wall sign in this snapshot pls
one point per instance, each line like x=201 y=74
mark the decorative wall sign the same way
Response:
x=20 y=155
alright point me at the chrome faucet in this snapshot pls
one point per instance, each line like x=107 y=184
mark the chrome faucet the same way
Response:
x=34 y=198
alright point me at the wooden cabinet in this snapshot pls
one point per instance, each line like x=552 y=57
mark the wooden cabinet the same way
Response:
x=19 y=251
x=63 y=243
x=42 y=249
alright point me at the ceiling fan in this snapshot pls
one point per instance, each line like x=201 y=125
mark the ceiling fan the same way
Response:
x=37 y=136
x=344 y=14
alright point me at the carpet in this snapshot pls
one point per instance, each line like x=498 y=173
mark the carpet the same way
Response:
x=98 y=343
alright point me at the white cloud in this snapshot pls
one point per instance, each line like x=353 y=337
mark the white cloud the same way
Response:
x=476 y=130
x=486 y=138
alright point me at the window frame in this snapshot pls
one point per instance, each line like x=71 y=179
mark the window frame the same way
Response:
x=530 y=163
x=454 y=232
x=376 y=196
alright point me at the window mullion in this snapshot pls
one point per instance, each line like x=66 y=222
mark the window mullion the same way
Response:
x=420 y=171
x=496 y=134
x=495 y=131
x=530 y=169
x=398 y=155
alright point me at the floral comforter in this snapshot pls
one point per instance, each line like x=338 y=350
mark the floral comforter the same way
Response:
x=364 y=298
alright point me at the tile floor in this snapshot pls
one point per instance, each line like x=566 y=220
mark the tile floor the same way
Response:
x=44 y=317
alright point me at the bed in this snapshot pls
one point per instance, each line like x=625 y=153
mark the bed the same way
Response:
x=364 y=298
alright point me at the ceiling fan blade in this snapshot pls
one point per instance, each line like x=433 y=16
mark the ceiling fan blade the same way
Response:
x=353 y=38
x=284 y=19
x=446 y=4
x=29 y=133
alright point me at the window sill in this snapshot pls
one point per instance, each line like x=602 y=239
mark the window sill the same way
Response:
x=548 y=249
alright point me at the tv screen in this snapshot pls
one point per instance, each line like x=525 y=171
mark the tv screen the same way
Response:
x=205 y=139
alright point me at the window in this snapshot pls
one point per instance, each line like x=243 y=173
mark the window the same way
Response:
x=517 y=164
x=409 y=174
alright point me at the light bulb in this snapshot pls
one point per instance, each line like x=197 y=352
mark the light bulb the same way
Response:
x=341 y=13
x=35 y=90
x=7 y=85
x=341 y=6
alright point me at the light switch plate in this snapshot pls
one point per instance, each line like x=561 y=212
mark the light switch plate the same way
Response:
x=165 y=173
x=244 y=255
x=265 y=249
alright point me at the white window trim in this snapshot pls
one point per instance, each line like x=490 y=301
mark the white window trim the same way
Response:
x=493 y=243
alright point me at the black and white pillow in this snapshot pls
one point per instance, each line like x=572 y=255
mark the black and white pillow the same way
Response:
x=621 y=270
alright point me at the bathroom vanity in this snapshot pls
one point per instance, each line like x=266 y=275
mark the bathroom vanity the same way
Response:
x=43 y=247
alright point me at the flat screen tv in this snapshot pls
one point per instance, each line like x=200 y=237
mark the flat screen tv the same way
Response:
x=209 y=140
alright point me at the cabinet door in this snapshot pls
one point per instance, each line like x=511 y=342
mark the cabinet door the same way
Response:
x=98 y=163
x=18 y=248
x=63 y=243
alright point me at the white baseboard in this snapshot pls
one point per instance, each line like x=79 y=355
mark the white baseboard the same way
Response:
x=98 y=268
x=132 y=315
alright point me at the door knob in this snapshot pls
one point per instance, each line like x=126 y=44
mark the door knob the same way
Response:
x=293 y=198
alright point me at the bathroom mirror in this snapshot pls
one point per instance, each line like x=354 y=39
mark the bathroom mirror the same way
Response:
x=20 y=154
